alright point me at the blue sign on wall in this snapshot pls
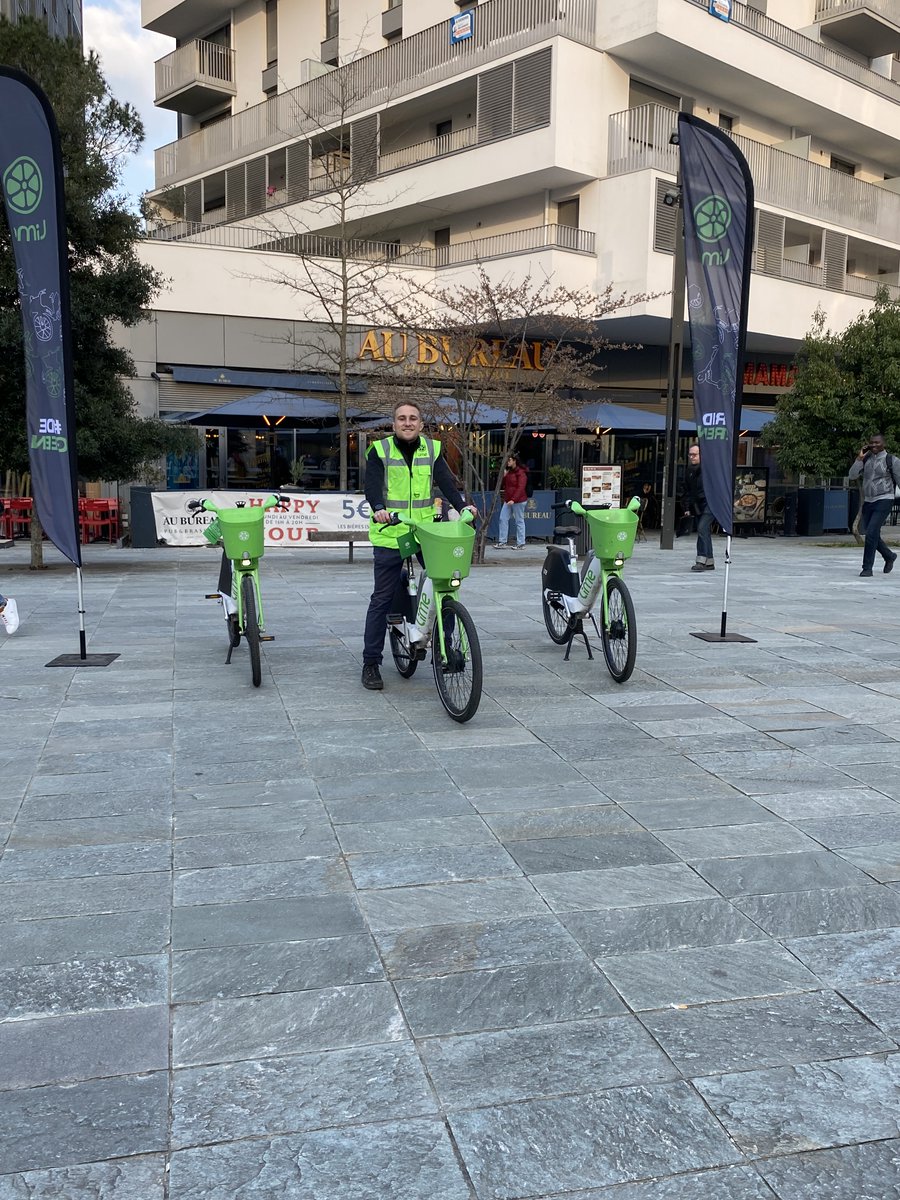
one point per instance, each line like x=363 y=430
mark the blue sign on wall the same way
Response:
x=720 y=9
x=462 y=26
x=539 y=516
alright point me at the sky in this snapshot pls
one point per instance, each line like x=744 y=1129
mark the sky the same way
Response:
x=128 y=52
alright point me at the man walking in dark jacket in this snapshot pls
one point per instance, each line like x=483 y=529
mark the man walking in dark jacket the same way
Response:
x=880 y=473
x=695 y=505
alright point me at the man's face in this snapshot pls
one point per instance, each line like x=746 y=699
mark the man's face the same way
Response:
x=694 y=456
x=876 y=443
x=407 y=423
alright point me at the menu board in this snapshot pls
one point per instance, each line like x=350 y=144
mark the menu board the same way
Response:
x=751 y=485
x=602 y=485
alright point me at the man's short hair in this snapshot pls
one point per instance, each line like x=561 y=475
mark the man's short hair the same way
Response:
x=407 y=404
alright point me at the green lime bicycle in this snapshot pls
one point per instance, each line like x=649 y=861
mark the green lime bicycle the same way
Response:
x=240 y=529
x=431 y=604
x=568 y=594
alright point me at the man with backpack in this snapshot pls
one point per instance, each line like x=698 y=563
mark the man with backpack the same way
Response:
x=881 y=475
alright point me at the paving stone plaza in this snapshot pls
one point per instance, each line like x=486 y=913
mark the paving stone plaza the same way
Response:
x=315 y=943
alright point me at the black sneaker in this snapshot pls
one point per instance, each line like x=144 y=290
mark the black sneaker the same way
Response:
x=371 y=677
x=889 y=564
x=865 y=574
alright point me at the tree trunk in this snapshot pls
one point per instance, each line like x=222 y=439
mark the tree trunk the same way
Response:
x=37 y=543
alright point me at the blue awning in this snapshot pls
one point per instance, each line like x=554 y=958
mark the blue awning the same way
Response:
x=754 y=420
x=621 y=418
x=269 y=408
x=263 y=379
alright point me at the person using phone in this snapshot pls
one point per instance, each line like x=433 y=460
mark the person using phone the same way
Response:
x=880 y=476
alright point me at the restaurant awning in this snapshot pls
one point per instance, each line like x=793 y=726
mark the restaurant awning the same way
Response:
x=270 y=408
x=754 y=420
x=621 y=418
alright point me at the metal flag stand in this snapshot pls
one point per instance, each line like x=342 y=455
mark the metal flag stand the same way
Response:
x=722 y=635
x=82 y=659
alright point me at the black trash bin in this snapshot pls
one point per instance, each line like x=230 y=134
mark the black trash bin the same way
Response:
x=143 y=523
x=810 y=512
x=790 y=514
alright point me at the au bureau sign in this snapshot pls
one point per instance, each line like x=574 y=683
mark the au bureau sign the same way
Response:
x=289 y=525
x=426 y=350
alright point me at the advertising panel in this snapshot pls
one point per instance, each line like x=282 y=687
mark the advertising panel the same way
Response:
x=602 y=485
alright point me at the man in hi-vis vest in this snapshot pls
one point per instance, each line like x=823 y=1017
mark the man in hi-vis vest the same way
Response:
x=401 y=474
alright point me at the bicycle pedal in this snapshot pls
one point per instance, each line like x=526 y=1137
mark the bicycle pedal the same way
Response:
x=421 y=654
x=212 y=596
x=267 y=637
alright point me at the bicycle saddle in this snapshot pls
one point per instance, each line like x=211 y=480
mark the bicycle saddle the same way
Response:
x=566 y=531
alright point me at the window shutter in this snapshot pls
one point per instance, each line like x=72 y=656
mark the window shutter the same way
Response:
x=665 y=220
x=834 y=259
x=235 y=192
x=364 y=148
x=495 y=93
x=531 y=90
x=193 y=199
x=298 y=171
x=769 y=243
x=256 y=185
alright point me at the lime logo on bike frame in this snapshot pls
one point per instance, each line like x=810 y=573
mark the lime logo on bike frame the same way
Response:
x=712 y=218
x=23 y=185
x=458 y=551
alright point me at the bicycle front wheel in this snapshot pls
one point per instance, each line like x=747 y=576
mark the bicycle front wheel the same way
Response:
x=618 y=631
x=251 y=627
x=459 y=678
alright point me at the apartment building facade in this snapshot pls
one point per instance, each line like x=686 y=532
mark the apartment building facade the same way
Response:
x=530 y=137
x=62 y=17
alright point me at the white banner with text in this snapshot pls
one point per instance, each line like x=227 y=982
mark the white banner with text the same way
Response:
x=288 y=525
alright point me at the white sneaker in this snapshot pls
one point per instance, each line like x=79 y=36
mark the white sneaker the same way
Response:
x=10 y=616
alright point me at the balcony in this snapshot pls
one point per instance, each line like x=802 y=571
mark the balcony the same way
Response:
x=437 y=147
x=195 y=77
x=870 y=27
x=373 y=81
x=639 y=139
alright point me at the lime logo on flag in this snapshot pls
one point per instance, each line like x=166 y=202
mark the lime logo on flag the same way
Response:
x=712 y=218
x=24 y=185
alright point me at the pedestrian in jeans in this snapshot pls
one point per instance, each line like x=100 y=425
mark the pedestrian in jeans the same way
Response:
x=515 y=483
x=695 y=505
x=880 y=472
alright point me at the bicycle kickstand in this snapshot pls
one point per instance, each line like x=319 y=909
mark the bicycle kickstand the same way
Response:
x=577 y=628
x=228 y=656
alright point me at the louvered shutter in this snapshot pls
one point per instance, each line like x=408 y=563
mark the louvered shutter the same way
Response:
x=495 y=93
x=235 y=193
x=364 y=148
x=256 y=185
x=193 y=200
x=298 y=171
x=531 y=90
x=834 y=259
x=664 y=220
x=769 y=243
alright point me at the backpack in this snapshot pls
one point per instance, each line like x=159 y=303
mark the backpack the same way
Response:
x=529 y=487
x=889 y=460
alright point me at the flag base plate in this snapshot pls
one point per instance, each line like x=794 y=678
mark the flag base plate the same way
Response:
x=723 y=637
x=75 y=660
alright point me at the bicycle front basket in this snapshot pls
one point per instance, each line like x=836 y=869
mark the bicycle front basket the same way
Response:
x=613 y=532
x=447 y=548
x=242 y=531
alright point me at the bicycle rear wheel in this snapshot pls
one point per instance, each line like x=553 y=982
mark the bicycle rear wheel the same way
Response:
x=618 y=632
x=406 y=658
x=459 y=679
x=556 y=618
x=251 y=628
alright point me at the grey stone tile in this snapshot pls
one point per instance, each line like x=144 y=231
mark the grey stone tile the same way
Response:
x=290 y=919
x=245 y=771
x=867 y=1172
x=287 y=1023
x=544 y=1060
x=314 y=876
x=764 y=874
x=750 y=1034
x=539 y=856
x=811 y=1106
x=82 y=1122
x=676 y=785
x=769 y=771
x=76 y=862
x=530 y=994
x=124 y=1179
x=400 y=804
x=146 y=802
x=621 y=887
x=730 y=841
x=450 y=904
x=249 y=818
x=526 y=799
x=519 y=766
x=880 y=1002
x=412 y=1159
x=439 y=865
x=827 y=910
x=240 y=849
x=660 y=927
x=443 y=949
x=881 y=861
x=571 y=821
x=62 y=938
x=830 y=802
x=55 y=989
x=240 y=795
x=385 y=784
x=856 y=830
x=563 y=1144
x=229 y=971
x=91 y=831
x=870 y=956
x=84 y=1046
x=695 y=812
x=370 y=837
x=729 y=1183
x=301 y=1092
x=653 y=979
x=78 y=897
x=101 y=783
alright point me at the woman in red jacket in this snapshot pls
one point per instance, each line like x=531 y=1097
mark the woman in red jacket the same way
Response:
x=515 y=479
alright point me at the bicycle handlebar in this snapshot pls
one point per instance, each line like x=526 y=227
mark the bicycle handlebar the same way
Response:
x=270 y=501
x=465 y=516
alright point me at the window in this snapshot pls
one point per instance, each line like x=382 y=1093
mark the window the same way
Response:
x=726 y=123
x=394 y=4
x=567 y=212
x=271 y=32
x=644 y=93
x=441 y=238
x=842 y=166
x=332 y=8
x=442 y=128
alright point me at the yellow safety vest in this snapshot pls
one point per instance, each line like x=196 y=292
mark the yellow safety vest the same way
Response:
x=407 y=492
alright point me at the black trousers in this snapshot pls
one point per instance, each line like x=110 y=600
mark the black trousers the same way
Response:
x=386 y=597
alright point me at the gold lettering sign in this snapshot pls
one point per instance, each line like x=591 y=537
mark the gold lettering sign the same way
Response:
x=427 y=350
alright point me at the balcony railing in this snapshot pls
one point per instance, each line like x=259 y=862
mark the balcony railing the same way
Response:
x=409 y=156
x=427 y=58
x=836 y=8
x=745 y=17
x=311 y=245
x=200 y=64
x=639 y=139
